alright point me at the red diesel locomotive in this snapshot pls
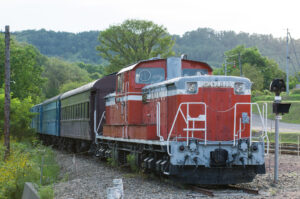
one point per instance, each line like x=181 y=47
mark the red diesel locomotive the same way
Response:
x=168 y=116
x=176 y=118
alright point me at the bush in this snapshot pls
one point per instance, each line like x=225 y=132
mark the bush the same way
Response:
x=20 y=117
x=46 y=192
x=24 y=165
x=131 y=160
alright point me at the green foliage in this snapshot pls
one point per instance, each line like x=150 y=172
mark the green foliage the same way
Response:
x=74 y=47
x=59 y=72
x=202 y=44
x=24 y=165
x=20 y=117
x=95 y=71
x=257 y=68
x=70 y=85
x=112 y=162
x=132 y=41
x=46 y=192
x=295 y=91
x=292 y=117
x=131 y=160
x=285 y=137
x=26 y=69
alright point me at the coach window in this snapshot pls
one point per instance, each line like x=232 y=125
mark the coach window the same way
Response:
x=88 y=110
x=149 y=75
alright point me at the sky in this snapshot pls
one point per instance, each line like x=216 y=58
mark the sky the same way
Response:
x=178 y=16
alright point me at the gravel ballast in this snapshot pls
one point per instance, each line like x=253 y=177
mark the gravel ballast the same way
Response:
x=87 y=177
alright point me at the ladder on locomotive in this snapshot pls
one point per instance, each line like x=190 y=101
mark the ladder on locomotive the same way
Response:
x=200 y=119
x=187 y=118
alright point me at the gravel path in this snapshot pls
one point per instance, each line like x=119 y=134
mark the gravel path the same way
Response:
x=283 y=127
x=88 y=177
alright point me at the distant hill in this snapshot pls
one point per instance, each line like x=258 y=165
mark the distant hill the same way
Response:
x=202 y=44
x=74 y=47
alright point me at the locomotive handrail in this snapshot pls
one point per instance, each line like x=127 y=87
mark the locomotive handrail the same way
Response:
x=187 y=122
x=263 y=118
x=161 y=138
x=95 y=121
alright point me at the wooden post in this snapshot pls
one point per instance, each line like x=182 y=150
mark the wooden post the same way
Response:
x=7 y=93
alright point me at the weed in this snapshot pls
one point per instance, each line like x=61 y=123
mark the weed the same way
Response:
x=131 y=160
x=46 y=192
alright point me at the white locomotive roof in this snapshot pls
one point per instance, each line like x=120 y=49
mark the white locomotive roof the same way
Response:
x=81 y=89
x=181 y=80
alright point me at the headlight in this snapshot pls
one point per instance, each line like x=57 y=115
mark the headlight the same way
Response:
x=191 y=87
x=239 y=88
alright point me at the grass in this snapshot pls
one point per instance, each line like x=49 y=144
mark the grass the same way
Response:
x=292 y=117
x=291 y=138
x=24 y=165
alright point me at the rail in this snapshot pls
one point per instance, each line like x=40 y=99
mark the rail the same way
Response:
x=187 y=118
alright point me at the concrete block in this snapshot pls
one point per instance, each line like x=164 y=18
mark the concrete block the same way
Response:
x=30 y=192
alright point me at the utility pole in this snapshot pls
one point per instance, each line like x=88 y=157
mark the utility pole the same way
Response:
x=7 y=93
x=240 y=65
x=287 y=62
x=276 y=161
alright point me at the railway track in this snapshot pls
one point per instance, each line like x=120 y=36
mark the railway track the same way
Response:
x=217 y=190
x=285 y=148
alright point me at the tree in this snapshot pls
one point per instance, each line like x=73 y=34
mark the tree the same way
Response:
x=59 y=72
x=251 y=59
x=132 y=41
x=26 y=69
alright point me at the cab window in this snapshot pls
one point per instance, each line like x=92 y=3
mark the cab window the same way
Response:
x=193 y=72
x=149 y=75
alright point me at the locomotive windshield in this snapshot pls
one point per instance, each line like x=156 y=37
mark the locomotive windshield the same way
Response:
x=149 y=75
x=193 y=72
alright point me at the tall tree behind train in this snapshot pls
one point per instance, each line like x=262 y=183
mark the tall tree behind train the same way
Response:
x=261 y=70
x=26 y=69
x=132 y=41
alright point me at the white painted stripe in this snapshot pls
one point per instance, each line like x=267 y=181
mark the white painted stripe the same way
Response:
x=112 y=100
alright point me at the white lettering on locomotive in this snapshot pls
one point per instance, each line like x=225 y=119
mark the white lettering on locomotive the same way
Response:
x=216 y=84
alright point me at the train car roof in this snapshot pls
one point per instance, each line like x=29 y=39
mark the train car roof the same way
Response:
x=131 y=67
x=81 y=89
x=97 y=84
x=51 y=100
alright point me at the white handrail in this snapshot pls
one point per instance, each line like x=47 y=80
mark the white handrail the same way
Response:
x=187 y=121
x=263 y=119
x=161 y=138
x=102 y=117
x=95 y=121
